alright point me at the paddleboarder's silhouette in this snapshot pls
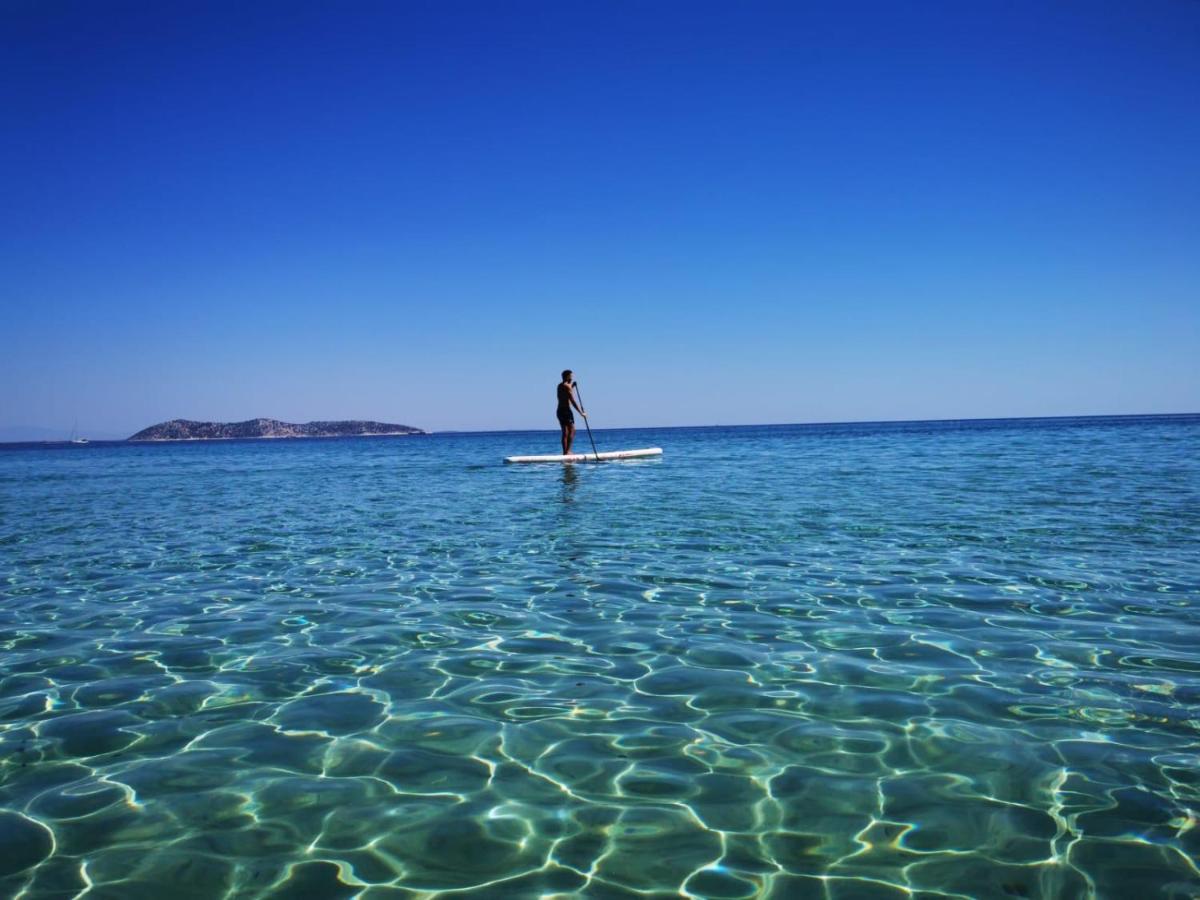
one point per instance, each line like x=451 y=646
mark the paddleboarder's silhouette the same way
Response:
x=566 y=418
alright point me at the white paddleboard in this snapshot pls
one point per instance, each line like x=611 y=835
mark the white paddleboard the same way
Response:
x=587 y=457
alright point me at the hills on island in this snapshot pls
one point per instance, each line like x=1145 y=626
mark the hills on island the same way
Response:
x=187 y=430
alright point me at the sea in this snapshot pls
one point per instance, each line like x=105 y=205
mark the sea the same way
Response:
x=883 y=660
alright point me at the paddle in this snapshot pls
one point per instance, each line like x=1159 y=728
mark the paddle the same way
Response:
x=585 y=421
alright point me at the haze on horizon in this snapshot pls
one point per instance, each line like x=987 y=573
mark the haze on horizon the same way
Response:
x=713 y=213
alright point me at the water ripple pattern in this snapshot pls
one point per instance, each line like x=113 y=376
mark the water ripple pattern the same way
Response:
x=876 y=661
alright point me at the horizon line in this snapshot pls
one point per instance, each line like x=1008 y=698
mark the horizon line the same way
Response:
x=820 y=424
x=833 y=422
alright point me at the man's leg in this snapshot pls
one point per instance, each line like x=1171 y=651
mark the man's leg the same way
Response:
x=565 y=442
x=569 y=439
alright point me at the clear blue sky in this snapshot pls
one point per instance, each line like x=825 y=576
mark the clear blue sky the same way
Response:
x=714 y=213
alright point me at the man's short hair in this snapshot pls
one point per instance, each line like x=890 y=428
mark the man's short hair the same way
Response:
x=566 y=374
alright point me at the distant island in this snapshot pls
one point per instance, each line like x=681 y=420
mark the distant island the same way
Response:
x=186 y=430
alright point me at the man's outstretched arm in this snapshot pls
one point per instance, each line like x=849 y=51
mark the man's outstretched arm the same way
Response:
x=575 y=403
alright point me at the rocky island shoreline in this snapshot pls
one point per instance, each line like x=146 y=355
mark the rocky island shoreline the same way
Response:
x=187 y=430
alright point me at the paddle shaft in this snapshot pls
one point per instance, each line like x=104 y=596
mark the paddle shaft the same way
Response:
x=585 y=421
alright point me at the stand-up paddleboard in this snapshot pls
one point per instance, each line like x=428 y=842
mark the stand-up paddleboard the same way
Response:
x=588 y=457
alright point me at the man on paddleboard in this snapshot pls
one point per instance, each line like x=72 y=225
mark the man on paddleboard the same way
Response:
x=566 y=418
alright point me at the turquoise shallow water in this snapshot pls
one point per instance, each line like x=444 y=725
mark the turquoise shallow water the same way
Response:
x=942 y=660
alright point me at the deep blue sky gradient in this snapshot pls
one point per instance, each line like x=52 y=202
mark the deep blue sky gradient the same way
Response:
x=716 y=213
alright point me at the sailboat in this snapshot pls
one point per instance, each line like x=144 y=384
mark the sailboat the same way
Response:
x=74 y=439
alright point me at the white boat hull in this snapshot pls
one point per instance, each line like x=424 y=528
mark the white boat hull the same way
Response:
x=588 y=457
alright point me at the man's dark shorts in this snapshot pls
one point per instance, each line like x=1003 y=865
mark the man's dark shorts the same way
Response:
x=566 y=418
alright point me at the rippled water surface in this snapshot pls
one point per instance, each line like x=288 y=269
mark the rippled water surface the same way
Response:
x=950 y=660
